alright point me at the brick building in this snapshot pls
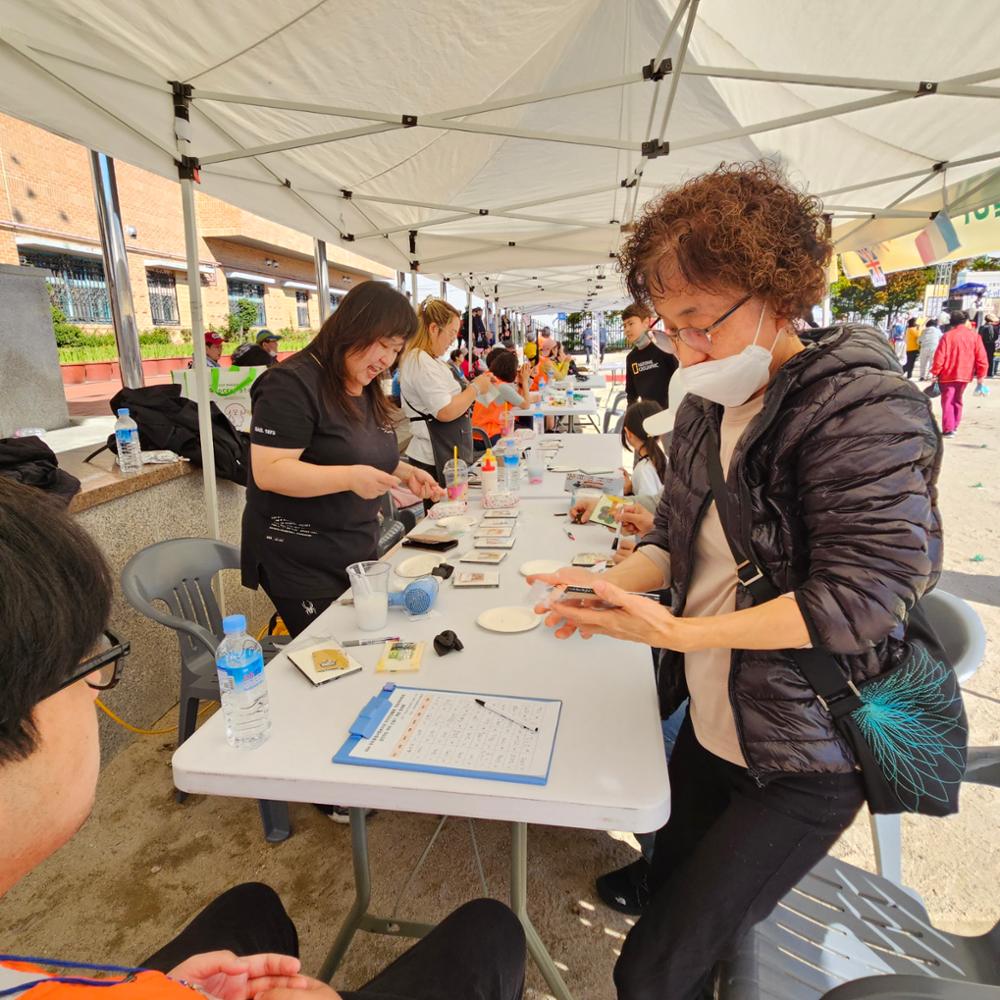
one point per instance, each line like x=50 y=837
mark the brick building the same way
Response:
x=48 y=219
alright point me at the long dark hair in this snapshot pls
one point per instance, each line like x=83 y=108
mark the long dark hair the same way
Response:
x=635 y=415
x=367 y=313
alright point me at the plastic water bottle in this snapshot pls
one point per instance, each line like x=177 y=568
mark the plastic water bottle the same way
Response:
x=538 y=422
x=511 y=468
x=127 y=440
x=242 y=685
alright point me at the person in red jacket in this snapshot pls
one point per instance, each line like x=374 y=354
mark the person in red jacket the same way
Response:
x=960 y=357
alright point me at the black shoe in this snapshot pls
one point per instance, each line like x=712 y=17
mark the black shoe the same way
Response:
x=627 y=889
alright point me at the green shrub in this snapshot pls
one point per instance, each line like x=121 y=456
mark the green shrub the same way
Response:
x=158 y=335
x=67 y=334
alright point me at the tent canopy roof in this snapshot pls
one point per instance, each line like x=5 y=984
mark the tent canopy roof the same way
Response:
x=504 y=140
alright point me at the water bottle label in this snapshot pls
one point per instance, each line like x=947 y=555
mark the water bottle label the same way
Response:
x=246 y=674
x=125 y=435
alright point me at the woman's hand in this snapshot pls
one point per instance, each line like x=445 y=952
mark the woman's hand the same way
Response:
x=635 y=619
x=419 y=483
x=370 y=483
x=482 y=382
x=312 y=989
x=568 y=576
x=627 y=490
x=634 y=519
x=223 y=975
x=624 y=550
x=582 y=508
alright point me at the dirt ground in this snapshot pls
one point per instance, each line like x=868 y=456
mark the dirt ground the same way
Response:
x=143 y=865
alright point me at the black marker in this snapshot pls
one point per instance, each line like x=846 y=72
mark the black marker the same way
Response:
x=482 y=704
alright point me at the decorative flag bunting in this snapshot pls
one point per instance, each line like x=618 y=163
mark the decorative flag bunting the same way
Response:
x=870 y=259
x=937 y=240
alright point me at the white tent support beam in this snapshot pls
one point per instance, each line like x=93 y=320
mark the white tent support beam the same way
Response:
x=94 y=104
x=668 y=35
x=464 y=216
x=200 y=366
x=242 y=153
x=909 y=175
x=787 y=121
x=675 y=79
x=802 y=79
x=552 y=199
x=897 y=213
x=413 y=288
x=930 y=175
x=332 y=110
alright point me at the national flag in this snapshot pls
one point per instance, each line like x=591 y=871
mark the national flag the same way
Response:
x=937 y=239
x=870 y=259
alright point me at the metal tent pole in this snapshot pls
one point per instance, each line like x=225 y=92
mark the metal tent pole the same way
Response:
x=200 y=367
x=413 y=288
x=109 y=220
x=322 y=280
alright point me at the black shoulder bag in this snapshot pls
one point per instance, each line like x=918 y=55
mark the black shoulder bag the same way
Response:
x=907 y=726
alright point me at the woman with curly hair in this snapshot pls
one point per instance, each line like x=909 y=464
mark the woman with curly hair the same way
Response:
x=829 y=460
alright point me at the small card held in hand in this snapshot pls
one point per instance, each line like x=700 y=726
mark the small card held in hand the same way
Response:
x=605 y=509
x=588 y=559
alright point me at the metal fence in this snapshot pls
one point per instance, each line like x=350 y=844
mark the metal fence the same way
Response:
x=76 y=284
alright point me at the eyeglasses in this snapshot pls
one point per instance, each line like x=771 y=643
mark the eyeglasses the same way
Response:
x=700 y=338
x=103 y=670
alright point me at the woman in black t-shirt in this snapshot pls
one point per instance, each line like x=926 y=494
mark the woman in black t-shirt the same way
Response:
x=323 y=453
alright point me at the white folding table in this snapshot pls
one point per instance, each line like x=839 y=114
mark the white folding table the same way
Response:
x=591 y=453
x=586 y=407
x=608 y=770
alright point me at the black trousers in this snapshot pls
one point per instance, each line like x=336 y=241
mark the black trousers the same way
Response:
x=911 y=360
x=726 y=856
x=296 y=612
x=477 y=953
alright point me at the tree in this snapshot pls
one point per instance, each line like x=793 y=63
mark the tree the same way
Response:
x=857 y=299
x=242 y=317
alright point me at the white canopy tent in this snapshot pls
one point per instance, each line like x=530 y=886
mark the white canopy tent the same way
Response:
x=504 y=144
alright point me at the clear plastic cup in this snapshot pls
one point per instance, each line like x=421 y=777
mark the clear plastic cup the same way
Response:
x=507 y=423
x=534 y=461
x=456 y=480
x=370 y=589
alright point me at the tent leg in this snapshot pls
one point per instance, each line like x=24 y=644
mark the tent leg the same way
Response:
x=413 y=288
x=200 y=367
x=322 y=280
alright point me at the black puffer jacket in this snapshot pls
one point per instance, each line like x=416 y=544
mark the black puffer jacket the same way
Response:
x=833 y=486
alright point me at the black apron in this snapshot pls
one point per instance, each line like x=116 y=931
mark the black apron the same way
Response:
x=445 y=436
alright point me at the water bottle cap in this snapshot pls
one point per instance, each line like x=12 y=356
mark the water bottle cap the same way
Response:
x=234 y=623
x=123 y=412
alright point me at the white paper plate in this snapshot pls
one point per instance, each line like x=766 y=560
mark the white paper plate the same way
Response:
x=458 y=522
x=418 y=565
x=509 y=619
x=534 y=567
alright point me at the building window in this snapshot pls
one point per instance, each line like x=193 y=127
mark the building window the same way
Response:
x=335 y=299
x=251 y=290
x=76 y=284
x=162 y=298
x=302 y=309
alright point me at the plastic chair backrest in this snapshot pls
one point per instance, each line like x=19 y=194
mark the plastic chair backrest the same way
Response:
x=960 y=630
x=179 y=572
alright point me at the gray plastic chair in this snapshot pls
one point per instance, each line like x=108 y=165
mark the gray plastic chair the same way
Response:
x=612 y=410
x=964 y=640
x=842 y=924
x=179 y=572
x=912 y=988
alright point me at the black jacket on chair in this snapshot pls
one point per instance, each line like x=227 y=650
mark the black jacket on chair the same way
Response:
x=833 y=487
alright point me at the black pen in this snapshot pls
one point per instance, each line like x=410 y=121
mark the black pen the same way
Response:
x=482 y=704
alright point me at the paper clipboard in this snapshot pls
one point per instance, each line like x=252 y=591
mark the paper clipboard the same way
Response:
x=396 y=713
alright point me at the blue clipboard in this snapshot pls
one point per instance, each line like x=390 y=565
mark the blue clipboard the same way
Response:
x=374 y=713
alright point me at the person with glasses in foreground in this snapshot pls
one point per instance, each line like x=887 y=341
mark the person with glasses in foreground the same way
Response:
x=55 y=598
x=832 y=459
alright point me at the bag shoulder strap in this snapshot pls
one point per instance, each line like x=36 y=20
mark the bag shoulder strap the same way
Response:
x=818 y=667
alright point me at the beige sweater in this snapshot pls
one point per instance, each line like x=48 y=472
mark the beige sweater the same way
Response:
x=713 y=592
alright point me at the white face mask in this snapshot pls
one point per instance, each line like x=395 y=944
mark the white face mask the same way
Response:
x=731 y=381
